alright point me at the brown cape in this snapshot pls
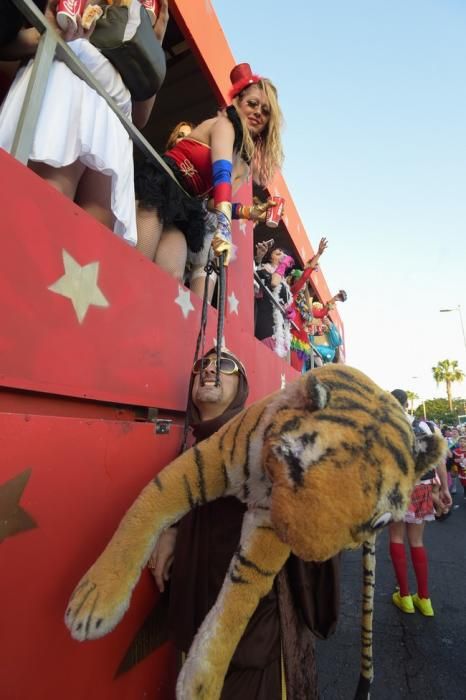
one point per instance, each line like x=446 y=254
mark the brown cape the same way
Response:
x=303 y=601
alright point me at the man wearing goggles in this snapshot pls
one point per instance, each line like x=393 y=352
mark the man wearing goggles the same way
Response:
x=227 y=365
x=210 y=407
x=212 y=401
x=196 y=555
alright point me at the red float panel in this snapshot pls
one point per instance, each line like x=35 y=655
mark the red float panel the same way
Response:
x=83 y=476
x=131 y=338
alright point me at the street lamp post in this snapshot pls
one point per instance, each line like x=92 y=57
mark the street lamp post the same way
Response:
x=458 y=309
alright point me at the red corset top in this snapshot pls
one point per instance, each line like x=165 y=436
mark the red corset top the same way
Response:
x=194 y=162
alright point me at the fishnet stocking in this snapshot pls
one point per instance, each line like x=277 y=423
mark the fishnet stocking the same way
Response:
x=149 y=231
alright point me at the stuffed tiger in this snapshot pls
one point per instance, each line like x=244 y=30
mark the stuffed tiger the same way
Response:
x=282 y=457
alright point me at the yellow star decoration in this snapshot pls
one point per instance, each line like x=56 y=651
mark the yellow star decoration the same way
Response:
x=13 y=518
x=79 y=284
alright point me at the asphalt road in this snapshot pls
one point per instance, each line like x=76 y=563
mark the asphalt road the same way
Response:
x=414 y=656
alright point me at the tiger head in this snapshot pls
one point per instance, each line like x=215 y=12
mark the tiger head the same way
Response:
x=343 y=459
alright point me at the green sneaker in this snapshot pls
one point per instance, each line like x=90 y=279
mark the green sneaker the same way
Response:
x=403 y=602
x=423 y=605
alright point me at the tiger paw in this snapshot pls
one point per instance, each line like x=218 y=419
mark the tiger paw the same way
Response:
x=195 y=683
x=97 y=605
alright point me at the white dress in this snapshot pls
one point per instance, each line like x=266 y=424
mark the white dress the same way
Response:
x=75 y=122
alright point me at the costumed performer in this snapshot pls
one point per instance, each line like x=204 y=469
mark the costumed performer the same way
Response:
x=218 y=153
x=301 y=350
x=420 y=511
x=304 y=597
x=80 y=147
x=272 y=325
x=324 y=337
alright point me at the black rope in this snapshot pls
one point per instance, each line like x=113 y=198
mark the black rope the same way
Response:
x=200 y=344
x=221 y=315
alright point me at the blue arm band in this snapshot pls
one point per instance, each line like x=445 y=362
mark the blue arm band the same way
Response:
x=221 y=172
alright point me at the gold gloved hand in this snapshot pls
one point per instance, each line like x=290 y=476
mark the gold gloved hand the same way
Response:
x=259 y=209
x=222 y=245
x=256 y=211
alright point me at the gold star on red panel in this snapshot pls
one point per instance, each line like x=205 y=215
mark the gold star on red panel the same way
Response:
x=13 y=519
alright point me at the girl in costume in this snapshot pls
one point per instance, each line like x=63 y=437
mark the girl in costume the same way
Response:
x=218 y=154
x=80 y=147
x=300 y=347
x=272 y=326
x=420 y=511
x=323 y=335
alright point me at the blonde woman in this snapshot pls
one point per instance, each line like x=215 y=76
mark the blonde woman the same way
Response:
x=219 y=153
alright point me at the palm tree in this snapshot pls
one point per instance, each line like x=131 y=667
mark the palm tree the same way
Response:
x=448 y=371
x=412 y=396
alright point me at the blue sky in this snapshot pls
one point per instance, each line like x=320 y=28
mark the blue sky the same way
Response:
x=374 y=98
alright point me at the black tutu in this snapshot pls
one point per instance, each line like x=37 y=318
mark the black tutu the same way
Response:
x=155 y=188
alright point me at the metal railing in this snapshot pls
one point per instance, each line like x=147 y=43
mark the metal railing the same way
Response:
x=52 y=46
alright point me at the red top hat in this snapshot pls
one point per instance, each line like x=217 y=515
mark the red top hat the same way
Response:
x=241 y=76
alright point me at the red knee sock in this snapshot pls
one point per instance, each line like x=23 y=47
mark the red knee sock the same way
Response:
x=398 y=555
x=421 y=569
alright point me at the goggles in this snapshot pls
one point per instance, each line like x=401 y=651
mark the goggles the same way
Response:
x=227 y=365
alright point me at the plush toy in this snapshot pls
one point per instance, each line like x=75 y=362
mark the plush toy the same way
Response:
x=282 y=456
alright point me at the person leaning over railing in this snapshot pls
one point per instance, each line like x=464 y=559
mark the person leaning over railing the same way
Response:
x=216 y=155
x=301 y=349
x=195 y=274
x=80 y=147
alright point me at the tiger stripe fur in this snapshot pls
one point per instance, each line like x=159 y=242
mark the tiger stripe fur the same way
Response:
x=282 y=456
x=367 y=614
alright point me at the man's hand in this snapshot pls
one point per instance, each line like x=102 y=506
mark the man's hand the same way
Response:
x=71 y=33
x=161 y=560
x=160 y=26
x=80 y=33
x=446 y=499
x=261 y=250
x=323 y=243
x=341 y=296
x=312 y=262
